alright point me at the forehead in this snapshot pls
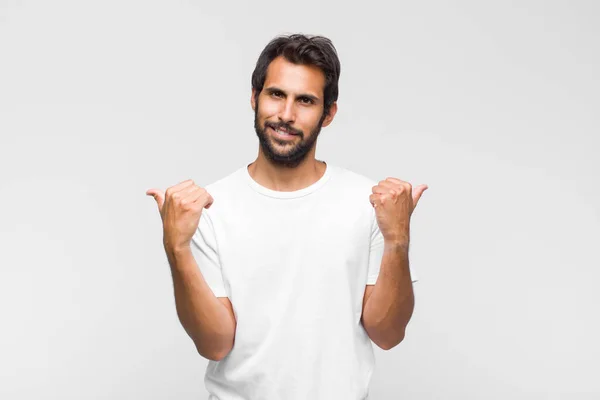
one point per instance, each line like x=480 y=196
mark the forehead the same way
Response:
x=295 y=78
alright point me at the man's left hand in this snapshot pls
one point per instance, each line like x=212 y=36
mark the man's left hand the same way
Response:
x=394 y=201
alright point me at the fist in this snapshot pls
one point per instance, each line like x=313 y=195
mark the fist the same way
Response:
x=180 y=207
x=394 y=201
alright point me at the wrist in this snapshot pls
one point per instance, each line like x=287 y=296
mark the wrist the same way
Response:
x=396 y=244
x=178 y=250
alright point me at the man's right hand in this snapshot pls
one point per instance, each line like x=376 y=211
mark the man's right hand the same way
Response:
x=180 y=207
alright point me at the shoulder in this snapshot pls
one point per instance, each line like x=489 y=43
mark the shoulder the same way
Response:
x=230 y=182
x=223 y=190
x=352 y=180
x=354 y=190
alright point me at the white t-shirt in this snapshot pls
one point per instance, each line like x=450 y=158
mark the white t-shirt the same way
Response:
x=294 y=266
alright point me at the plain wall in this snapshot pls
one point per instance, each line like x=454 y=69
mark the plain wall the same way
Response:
x=495 y=105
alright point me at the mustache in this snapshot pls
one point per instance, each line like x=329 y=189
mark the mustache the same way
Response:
x=283 y=125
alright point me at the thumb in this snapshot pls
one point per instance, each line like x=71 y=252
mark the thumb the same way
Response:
x=158 y=195
x=417 y=192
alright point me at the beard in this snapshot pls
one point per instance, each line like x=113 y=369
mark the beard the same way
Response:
x=294 y=153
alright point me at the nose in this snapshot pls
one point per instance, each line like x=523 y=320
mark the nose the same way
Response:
x=287 y=113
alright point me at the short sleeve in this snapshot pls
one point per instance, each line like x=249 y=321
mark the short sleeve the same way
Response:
x=204 y=250
x=376 y=253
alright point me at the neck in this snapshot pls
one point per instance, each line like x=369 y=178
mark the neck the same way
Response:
x=284 y=179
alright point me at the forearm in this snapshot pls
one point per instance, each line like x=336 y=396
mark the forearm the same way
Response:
x=206 y=320
x=389 y=308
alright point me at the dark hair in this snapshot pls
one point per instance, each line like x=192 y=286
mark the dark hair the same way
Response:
x=304 y=50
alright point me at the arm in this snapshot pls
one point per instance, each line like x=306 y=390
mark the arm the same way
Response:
x=388 y=305
x=208 y=320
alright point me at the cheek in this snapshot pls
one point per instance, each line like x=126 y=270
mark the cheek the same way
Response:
x=309 y=118
x=268 y=108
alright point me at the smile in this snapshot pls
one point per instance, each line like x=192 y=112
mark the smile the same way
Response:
x=282 y=133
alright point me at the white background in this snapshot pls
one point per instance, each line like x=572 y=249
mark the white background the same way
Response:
x=495 y=105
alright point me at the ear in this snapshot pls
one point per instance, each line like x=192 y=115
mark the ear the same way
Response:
x=329 y=117
x=253 y=99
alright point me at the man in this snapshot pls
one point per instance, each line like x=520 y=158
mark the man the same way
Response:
x=285 y=270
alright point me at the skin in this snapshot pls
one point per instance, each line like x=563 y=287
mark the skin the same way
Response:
x=208 y=320
x=292 y=99
x=388 y=305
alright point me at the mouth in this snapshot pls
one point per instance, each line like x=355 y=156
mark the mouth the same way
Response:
x=283 y=133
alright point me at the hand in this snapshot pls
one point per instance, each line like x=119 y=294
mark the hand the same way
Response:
x=180 y=209
x=394 y=201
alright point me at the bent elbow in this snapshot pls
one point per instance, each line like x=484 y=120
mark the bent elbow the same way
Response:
x=217 y=346
x=216 y=349
x=214 y=355
x=390 y=344
x=217 y=356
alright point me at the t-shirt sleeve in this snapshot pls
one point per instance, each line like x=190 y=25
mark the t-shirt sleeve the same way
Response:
x=376 y=253
x=205 y=252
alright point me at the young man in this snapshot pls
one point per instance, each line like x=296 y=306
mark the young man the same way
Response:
x=286 y=269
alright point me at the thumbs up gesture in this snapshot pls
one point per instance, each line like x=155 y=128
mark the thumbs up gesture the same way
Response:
x=180 y=207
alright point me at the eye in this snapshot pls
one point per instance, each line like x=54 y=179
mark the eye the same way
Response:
x=276 y=94
x=306 y=100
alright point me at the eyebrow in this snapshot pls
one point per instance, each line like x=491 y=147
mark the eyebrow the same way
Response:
x=273 y=89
